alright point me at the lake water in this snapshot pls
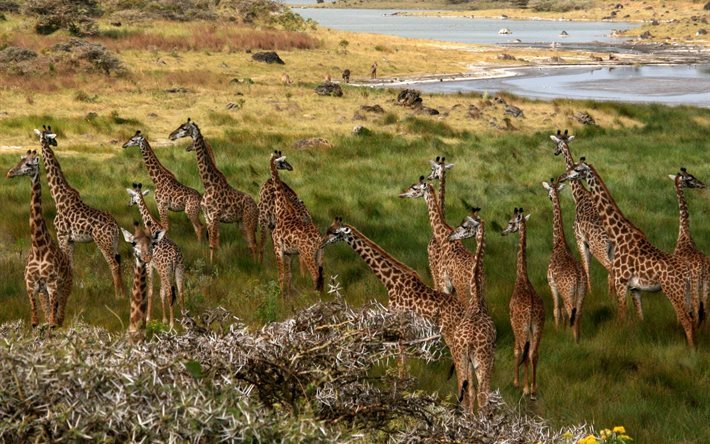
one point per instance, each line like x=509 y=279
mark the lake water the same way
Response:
x=678 y=84
x=460 y=29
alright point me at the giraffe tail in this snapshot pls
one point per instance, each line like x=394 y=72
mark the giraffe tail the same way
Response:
x=118 y=258
x=526 y=351
x=701 y=313
x=573 y=317
x=464 y=386
x=451 y=372
x=319 y=281
x=172 y=295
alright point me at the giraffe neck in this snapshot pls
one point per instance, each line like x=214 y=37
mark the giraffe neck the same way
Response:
x=614 y=221
x=156 y=170
x=442 y=192
x=149 y=222
x=38 y=227
x=522 y=265
x=578 y=191
x=478 y=278
x=210 y=175
x=139 y=299
x=388 y=269
x=436 y=218
x=58 y=186
x=685 y=239
x=558 y=230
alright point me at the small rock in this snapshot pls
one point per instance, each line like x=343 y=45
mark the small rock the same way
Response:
x=505 y=57
x=474 y=112
x=646 y=35
x=91 y=115
x=514 y=111
x=499 y=100
x=268 y=57
x=584 y=118
x=116 y=24
x=358 y=116
x=409 y=97
x=377 y=109
x=428 y=111
x=346 y=76
x=707 y=6
x=619 y=6
x=505 y=31
x=556 y=59
x=232 y=106
x=329 y=89
x=701 y=32
x=563 y=34
x=152 y=115
x=177 y=90
x=313 y=142
x=654 y=22
x=360 y=130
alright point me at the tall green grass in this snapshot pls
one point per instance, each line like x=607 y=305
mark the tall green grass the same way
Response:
x=639 y=374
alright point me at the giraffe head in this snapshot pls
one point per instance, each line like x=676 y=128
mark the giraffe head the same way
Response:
x=581 y=171
x=136 y=140
x=561 y=140
x=553 y=187
x=438 y=168
x=279 y=161
x=686 y=180
x=27 y=166
x=46 y=135
x=416 y=190
x=336 y=232
x=187 y=129
x=136 y=194
x=143 y=242
x=516 y=221
x=469 y=226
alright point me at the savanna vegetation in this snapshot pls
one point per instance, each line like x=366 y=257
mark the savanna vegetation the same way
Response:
x=639 y=374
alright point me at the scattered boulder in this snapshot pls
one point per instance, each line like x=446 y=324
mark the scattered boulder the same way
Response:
x=646 y=35
x=329 y=89
x=499 y=100
x=474 y=112
x=15 y=54
x=267 y=57
x=409 y=97
x=233 y=106
x=596 y=58
x=505 y=31
x=177 y=90
x=358 y=116
x=619 y=6
x=514 y=111
x=584 y=118
x=117 y=24
x=88 y=55
x=506 y=57
x=701 y=32
x=707 y=6
x=346 y=76
x=654 y=22
x=563 y=34
x=313 y=142
x=556 y=59
x=360 y=130
x=376 y=109
x=428 y=111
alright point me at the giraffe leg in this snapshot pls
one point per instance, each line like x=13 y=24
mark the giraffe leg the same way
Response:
x=250 y=222
x=622 y=288
x=163 y=214
x=526 y=376
x=164 y=299
x=213 y=233
x=31 y=294
x=585 y=256
x=192 y=209
x=149 y=292
x=109 y=249
x=472 y=381
x=556 y=311
x=170 y=294
x=677 y=296
x=579 y=302
x=313 y=263
x=516 y=358
x=52 y=289
x=484 y=372
x=179 y=283
x=462 y=382
x=636 y=297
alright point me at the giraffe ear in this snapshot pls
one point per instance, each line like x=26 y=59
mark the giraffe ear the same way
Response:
x=146 y=192
x=432 y=163
x=672 y=176
x=527 y=217
x=37 y=132
x=555 y=138
x=560 y=186
x=546 y=185
x=130 y=191
x=570 y=138
x=127 y=236
x=448 y=166
x=158 y=236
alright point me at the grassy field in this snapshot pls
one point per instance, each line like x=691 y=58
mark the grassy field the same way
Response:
x=640 y=375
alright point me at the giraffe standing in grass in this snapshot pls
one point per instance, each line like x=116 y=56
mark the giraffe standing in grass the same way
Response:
x=638 y=265
x=170 y=194
x=685 y=248
x=589 y=232
x=527 y=314
x=143 y=243
x=76 y=221
x=221 y=203
x=564 y=274
x=406 y=291
x=48 y=271
x=293 y=234
x=438 y=172
x=167 y=260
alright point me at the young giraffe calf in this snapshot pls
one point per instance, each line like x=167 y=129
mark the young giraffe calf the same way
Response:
x=565 y=275
x=143 y=243
x=167 y=260
x=527 y=315
x=48 y=271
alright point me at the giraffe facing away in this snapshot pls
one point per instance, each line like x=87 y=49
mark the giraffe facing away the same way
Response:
x=527 y=314
x=221 y=202
x=75 y=221
x=293 y=234
x=589 y=232
x=143 y=244
x=406 y=291
x=48 y=271
x=438 y=172
x=455 y=261
x=170 y=194
x=698 y=263
x=565 y=275
x=167 y=260
x=638 y=265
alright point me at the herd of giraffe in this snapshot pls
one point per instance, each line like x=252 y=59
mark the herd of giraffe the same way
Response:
x=457 y=302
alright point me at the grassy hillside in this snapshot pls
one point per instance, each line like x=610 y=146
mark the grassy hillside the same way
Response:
x=640 y=375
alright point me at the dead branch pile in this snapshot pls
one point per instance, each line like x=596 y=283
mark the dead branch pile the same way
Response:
x=309 y=378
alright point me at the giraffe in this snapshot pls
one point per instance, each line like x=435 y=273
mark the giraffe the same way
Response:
x=485 y=329
x=698 y=263
x=170 y=194
x=167 y=260
x=143 y=243
x=565 y=275
x=406 y=291
x=75 y=221
x=589 y=232
x=438 y=172
x=293 y=234
x=48 y=271
x=221 y=203
x=638 y=265
x=267 y=199
x=455 y=261
x=527 y=314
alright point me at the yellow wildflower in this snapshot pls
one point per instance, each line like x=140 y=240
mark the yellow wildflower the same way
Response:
x=589 y=439
x=625 y=437
x=619 y=429
x=567 y=435
x=605 y=433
